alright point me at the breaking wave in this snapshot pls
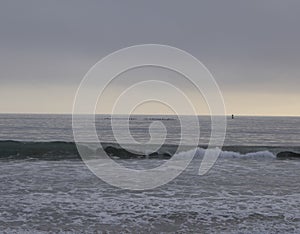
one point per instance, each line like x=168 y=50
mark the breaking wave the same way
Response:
x=60 y=150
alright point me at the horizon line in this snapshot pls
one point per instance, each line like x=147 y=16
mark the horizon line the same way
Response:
x=160 y=114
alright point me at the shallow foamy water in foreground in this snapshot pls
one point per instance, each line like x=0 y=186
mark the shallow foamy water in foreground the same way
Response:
x=238 y=195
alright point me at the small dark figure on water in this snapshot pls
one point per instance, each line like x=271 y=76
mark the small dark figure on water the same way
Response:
x=232 y=116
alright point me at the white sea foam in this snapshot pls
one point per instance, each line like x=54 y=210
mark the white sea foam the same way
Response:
x=236 y=196
x=199 y=152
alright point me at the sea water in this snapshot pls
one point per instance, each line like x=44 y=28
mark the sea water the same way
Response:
x=45 y=186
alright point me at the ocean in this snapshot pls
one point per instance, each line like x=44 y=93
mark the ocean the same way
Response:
x=46 y=187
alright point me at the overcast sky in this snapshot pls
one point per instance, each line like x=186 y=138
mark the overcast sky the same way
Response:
x=251 y=47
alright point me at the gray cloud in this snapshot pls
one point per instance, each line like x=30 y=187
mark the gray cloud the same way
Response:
x=244 y=43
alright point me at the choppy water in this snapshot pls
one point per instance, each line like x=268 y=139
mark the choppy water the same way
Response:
x=247 y=191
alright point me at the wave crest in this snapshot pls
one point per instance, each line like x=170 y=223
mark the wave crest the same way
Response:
x=68 y=150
